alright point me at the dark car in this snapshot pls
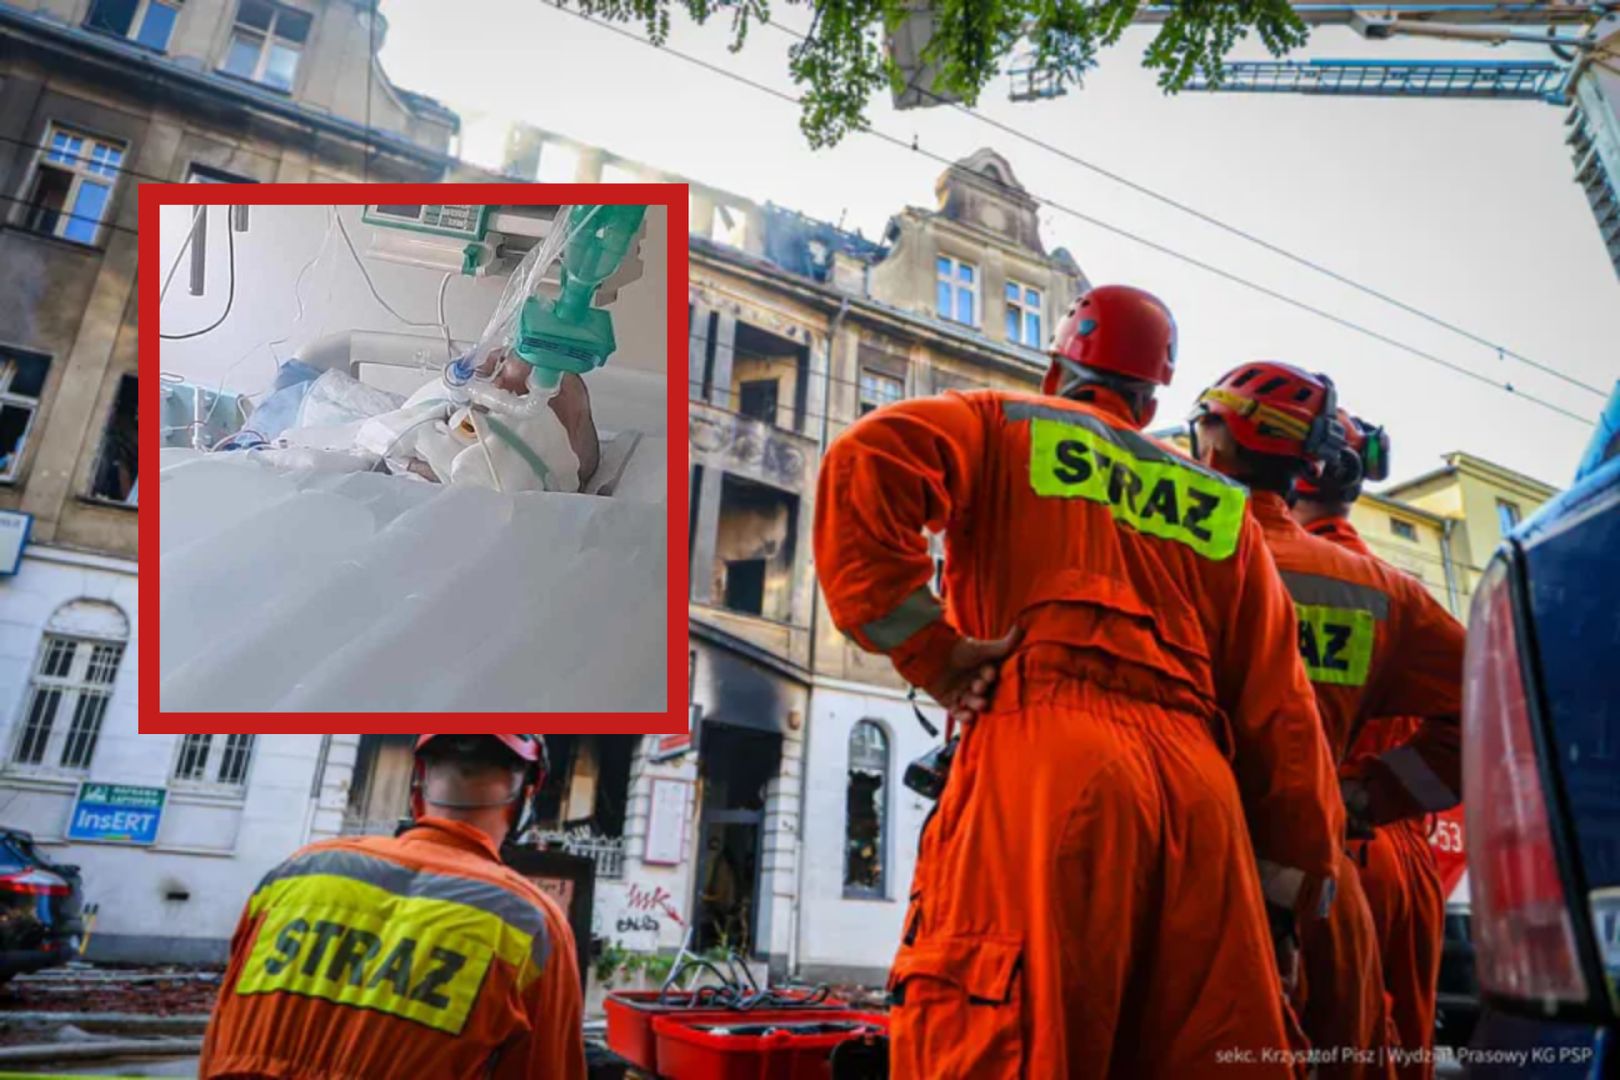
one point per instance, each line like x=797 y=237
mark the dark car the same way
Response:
x=1541 y=776
x=39 y=908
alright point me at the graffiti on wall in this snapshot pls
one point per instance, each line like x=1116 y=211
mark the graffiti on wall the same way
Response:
x=637 y=915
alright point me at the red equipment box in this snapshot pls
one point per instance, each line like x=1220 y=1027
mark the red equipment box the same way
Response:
x=694 y=1047
x=630 y=1016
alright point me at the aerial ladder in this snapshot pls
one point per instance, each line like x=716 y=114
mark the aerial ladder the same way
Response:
x=1582 y=75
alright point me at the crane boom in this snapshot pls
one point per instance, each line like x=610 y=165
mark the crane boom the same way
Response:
x=1540 y=80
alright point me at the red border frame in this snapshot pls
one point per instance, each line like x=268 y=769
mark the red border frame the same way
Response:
x=153 y=720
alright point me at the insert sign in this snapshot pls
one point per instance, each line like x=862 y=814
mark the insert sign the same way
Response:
x=116 y=813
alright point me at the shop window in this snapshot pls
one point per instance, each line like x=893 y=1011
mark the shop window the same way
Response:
x=72 y=684
x=878 y=390
x=957 y=291
x=865 y=822
x=214 y=761
x=1403 y=529
x=22 y=381
x=145 y=22
x=266 y=44
x=1507 y=516
x=1023 y=315
x=115 y=479
x=72 y=185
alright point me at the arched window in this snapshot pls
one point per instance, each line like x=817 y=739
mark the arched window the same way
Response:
x=865 y=823
x=71 y=686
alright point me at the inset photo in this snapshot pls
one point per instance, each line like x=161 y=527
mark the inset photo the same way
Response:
x=411 y=457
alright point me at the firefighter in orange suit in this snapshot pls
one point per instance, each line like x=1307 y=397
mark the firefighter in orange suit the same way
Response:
x=1087 y=900
x=417 y=955
x=1375 y=643
x=1397 y=866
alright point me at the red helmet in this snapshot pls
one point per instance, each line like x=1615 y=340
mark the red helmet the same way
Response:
x=529 y=749
x=1367 y=458
x=1277 y=409
x=1118 y=329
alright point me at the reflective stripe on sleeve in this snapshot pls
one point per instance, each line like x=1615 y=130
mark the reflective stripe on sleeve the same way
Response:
x=1333 y=592
x=1421 y=782
x=918 y=610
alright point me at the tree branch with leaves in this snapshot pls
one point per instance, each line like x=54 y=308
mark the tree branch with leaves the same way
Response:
x=843 y=60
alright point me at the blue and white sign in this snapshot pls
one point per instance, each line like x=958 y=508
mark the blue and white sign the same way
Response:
x=116 y=813
x=14 y=529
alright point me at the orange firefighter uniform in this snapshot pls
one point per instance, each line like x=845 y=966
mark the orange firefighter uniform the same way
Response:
x=1399 y=876
x=1086 y=899
x=1375 y=643
x=420 y=955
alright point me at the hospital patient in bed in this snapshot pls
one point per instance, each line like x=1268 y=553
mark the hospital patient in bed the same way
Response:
x=493 y=434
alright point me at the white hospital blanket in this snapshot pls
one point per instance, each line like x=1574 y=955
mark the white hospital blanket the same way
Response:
x=314 y=591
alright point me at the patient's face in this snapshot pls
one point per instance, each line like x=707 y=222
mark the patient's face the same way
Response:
x=572 y=406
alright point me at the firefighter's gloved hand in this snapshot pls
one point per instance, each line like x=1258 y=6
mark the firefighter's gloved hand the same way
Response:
x=963 y=690
x=1357 y=808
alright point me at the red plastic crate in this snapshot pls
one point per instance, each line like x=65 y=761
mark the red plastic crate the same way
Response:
x=630 y=1016
x=686 y=1052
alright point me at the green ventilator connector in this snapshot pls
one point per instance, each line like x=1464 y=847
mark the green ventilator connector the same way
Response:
x=568 y=334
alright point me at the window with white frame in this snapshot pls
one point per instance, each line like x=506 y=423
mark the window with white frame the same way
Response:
x=214 y=761
x=865 y=823
x=72 y=185
x=145 y=22
x=266 y=43
x=1024 y=315
x=878 y=390
x=957 y=291
x=22 y=381
x=71 y=687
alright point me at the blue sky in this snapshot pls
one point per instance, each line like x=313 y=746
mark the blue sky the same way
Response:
x=1464 y=209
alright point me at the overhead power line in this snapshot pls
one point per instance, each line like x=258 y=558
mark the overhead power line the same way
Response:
x=1097 y=222
x=1243 y=234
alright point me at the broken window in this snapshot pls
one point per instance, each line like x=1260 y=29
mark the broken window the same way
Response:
x=215 y=760
x=757 y=399
x=878 y=390
x=266 y=43
x=730 y=227
x=22 y=381
x=769 y=377
x=864 y=838
x=67 y=700
x=754 y=547
x=72 y=185
x=145 y=22
x=116 y=463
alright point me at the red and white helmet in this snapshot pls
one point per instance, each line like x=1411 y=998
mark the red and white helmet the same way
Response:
x=1116 y=329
